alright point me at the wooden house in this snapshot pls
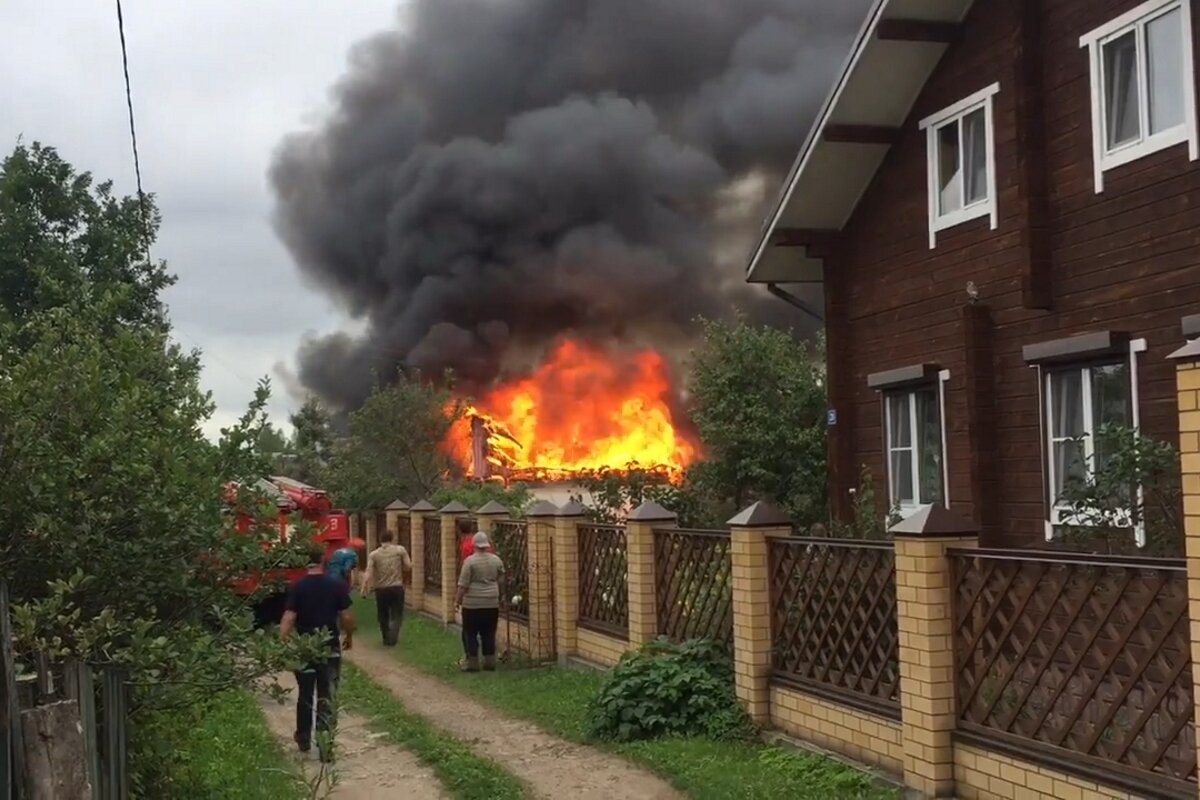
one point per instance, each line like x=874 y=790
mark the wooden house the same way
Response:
x=1001 y=200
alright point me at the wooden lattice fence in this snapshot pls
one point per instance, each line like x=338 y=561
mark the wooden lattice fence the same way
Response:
x=432 y=526
x=603 y=580
x=511 y=540
x=693 y=585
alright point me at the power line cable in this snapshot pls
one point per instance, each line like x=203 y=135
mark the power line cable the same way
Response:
x=137 y=163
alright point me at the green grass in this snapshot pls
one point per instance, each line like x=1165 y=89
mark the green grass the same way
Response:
x=556 y=699
x=462 y=773
x=221 y=749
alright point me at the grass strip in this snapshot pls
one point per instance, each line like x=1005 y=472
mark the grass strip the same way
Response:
x=463 y=774
x=220 y=749
x=556 y=700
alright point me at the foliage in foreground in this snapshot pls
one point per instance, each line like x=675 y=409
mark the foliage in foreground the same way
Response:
x=462 y=773
x=557 y=699
x=218 y=750
x=115 y=540
x=668 y=689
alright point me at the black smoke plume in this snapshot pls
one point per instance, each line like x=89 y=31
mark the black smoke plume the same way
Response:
x=497 y=173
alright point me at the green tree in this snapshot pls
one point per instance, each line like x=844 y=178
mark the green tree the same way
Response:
x=758 y=403
x=113 y=532
x=312 y=442
x=397 y=445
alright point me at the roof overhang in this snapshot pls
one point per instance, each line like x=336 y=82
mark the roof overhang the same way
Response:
x=895 y=53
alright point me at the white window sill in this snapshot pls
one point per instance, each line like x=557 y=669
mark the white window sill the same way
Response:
x=954 y=218
x=1127 y=154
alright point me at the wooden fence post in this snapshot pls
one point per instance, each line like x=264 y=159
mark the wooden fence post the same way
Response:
x=566 y=579
x=416 y=524
x=450 y=514
x=925 y=620
x=1187 y=382
x=541 y=580
x=10 y=712
x=639 y=542
x=55 y=755
x=753 y=645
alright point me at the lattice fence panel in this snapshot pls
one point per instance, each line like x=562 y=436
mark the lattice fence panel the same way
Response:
x=511 y=540
x=694 y=585
x=603 y=579
x=833 y=613
x=433 y=552
x=1088 y=654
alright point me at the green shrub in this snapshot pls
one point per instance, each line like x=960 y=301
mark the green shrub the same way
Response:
x=668 y=689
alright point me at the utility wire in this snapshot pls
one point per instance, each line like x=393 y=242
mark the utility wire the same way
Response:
x=137 y=164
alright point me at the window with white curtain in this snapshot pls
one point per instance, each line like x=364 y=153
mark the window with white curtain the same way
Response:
x=1079 y=400
x=1143 y=99
x=916 y=476
x=961 y=163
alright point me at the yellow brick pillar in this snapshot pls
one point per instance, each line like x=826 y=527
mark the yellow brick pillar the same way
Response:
x=540 y=534
x=416 y=522
x=353 y=523
x=925 y=618
x=566 y=579
x=639 y=542
x=487 y=515
x=1187 y=381
x=750 y=532
x=450 y=514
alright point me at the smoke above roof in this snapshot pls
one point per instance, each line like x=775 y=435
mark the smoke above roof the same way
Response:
x=495 y=174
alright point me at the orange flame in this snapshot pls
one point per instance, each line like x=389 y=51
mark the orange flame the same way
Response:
x=582 y=411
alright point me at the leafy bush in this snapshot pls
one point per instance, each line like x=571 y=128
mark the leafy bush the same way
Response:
x=476 y=494
x=668 y=689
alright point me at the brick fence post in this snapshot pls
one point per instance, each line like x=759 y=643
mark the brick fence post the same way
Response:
x=639 y=543
x=925 y=619
x=416 y=524
x=353 y=518
x=392 y=513
x=450 y=514
x=488 y=515
x=540 y=567
x=1187 y=382
x=749 y=533
x=566 y=579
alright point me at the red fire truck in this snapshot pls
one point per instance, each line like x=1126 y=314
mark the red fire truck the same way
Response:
x=314 y=506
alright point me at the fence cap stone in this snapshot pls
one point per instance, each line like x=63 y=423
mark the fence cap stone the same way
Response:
x=1191 y=350
x=542 y=508
x=423 y=505
x=650 y=511
x=491 y=507
x=397 y=505
x=760 y=515
x=573 y=508
x=935 y=520
x=454 y=507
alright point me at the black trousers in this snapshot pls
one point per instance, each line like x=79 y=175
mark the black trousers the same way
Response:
x=389 y=606
x=479 y=630
x=319 y=680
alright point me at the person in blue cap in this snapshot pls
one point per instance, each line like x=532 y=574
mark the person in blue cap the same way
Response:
x=342 y=563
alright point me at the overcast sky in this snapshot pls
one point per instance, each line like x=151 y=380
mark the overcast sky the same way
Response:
x=216 y=85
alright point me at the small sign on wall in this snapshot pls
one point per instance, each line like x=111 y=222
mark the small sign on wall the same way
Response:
x=831 y=417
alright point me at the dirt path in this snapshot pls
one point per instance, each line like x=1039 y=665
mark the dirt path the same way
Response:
x=551 y=767
x=367 y=768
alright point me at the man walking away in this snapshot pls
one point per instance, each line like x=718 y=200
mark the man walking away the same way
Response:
x=318 y=603
x=385 y=574
x=479 y=598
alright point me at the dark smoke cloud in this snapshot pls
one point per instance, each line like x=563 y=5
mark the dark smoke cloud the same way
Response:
x=497 y=173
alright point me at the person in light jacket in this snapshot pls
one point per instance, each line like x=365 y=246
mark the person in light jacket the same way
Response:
x=478 y=597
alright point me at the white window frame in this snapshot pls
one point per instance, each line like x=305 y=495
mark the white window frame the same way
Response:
x=1136 y=20
x=907 y=510
x=983 y=99
x=1061 y=515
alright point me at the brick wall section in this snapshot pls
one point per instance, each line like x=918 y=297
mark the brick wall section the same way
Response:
x=393 y=525
x=982 y=774
x=415 y=596
x=643 y=616
x=353 y=524
x=598 y=648
x=1187 y=380
x=449 y=566
x=566 y=586
x=371 y=532
x=855 y=734
x=752 y=642
x=926 y=628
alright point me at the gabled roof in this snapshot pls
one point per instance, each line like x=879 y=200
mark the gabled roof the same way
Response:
x=897 y=49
